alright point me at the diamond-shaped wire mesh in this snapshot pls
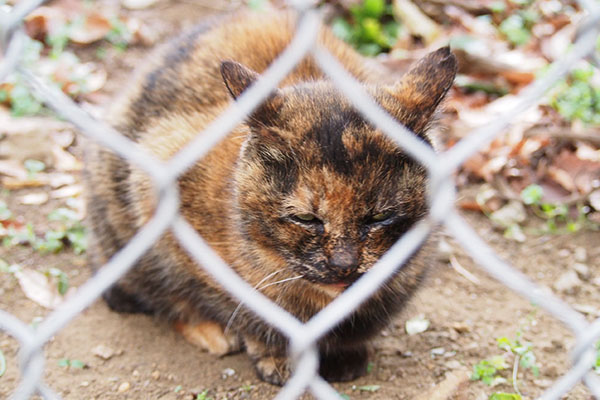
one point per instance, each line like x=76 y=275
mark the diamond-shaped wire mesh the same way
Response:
x=302 y=337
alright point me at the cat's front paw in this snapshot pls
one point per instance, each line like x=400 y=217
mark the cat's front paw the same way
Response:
x=273 y=370
x=344 y=365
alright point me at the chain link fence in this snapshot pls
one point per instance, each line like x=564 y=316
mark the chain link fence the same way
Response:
x=302 y=337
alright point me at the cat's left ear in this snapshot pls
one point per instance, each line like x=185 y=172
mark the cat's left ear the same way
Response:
x=422 y=89
x=238 y=78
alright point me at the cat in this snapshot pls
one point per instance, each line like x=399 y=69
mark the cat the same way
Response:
x=301 y=199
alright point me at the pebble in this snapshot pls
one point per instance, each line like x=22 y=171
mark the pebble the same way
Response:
x=452 y=364
x=461 y=327
x=583 y=271
x=135 y=373
x=103 y=351
x=123 y=387
x=580 y=254
x=155 y=375
x=568 y=282
x=84 y=384
x=227 y=372
x=543 y=383
x=564 y=253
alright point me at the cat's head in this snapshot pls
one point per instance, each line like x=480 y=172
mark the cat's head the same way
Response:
x=320 y=187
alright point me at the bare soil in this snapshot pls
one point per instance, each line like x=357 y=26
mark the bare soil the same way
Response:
x=151 y=361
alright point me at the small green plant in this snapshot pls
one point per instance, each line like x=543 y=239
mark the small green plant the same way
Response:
x=505 y=396
x=5 y=213
x=516 y=27
x=67 y=363
x=119 y=34
x=203 y=396
x=2 y=363
x=489 y=371
x=556 y=216
x=33 y=167
x=597 y=363
x=371 y=29
x=62 y=279
x=577 y=97
x=70 y=232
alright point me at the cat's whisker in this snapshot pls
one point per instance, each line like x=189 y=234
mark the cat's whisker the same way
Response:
x=234 y=313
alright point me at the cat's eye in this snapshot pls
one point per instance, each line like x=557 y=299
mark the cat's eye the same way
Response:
x=382 y=216
x=305 y=217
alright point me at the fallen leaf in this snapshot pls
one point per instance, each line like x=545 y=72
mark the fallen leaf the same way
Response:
x=138 y=4
x=37 y=287
x=65 y=161
x=67 y=191
x=94 y=28
x=34 y=199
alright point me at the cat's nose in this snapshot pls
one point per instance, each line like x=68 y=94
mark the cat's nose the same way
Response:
x=344 y=261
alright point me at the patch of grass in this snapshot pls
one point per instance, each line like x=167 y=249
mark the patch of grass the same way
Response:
x=203 y=396
x=371 y=28
x=577 y=97
x=557 y=216
x=490 y=371
x=71 y=232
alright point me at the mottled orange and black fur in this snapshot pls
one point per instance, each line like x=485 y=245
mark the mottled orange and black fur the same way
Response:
x=306 y=191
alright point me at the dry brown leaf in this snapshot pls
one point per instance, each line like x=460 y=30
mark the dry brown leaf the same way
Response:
x=34 y=199
x=37 y=287
x=67 y=191
x=14 y=183
x=95 y=28
x=13 y=169
x=562 y=177
x=65 y=161
x=137 y=4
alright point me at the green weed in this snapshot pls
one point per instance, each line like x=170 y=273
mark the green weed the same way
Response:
x=577 y=97
x=77 y=364
x=371 y=28
x=490 y=371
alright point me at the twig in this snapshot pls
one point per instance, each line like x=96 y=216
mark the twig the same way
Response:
x=590 y=135
x=462 y=271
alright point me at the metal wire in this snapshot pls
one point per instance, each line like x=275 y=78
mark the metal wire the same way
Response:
x=302 y=337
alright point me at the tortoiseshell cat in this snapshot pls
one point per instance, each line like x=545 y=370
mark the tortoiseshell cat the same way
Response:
x=306 y=187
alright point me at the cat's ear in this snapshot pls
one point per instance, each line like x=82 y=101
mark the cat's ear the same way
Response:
x=238 y=78
x=422 y=89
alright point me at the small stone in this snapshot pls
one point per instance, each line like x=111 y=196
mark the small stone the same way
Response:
x=543 y=383
x=461 y=327
x=155 y=375
x=227 y=372
x=564 y=253
x=103 y=351
x=84 y=384
x=416 y=325
x=580 y=254
x=438 y=351
x=123 y=387
x=583 y=271
x=568 y=282
x=135 y=373
x=445 y=251
x=452 y=364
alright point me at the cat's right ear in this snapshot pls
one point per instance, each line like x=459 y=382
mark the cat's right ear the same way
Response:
x=238 y=78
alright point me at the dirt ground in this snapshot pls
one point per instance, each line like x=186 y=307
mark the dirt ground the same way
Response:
x=148 y=360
